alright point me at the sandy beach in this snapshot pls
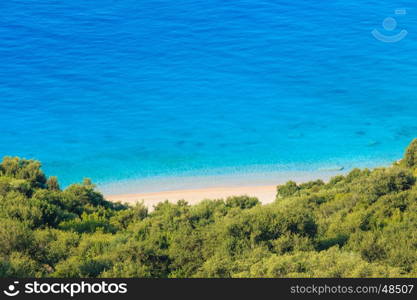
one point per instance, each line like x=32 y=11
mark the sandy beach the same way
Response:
x=194 y=189
x=265 y=194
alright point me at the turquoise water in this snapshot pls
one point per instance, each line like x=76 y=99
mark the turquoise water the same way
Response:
x=117 y=90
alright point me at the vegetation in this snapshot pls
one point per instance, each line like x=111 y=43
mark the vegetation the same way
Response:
x=359 y=225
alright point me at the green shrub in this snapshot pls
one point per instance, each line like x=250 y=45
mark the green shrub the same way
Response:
x=410 y=156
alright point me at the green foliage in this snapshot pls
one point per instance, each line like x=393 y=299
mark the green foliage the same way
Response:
x=23 y=169
x=15 y=236
x=88 y=223
x=410 y=157
x=362 y=224
x=384 y=181
x=52 y=183
x=287 y=190
x=123 y=218
x=242 y=202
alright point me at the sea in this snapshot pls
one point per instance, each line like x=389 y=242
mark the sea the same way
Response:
x=134 y=90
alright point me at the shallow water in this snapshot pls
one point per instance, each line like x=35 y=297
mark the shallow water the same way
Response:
x=142 y=89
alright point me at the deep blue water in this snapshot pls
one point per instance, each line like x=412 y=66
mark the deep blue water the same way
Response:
x=130 y=89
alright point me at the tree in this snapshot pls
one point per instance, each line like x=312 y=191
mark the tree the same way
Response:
x=53 y=184
x=30 y=170
x=288 y=189
x=410 y=157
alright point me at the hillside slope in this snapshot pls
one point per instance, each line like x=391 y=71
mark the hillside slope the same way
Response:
x=359 y=225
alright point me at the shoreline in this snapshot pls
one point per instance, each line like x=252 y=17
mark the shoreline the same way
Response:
x=265 y=194
x=195 y=189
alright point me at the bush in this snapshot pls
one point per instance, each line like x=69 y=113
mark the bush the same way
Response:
x=287 y=190
x=15 y=237
x=242 y=202
x=29 y=170
x=410 y=157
